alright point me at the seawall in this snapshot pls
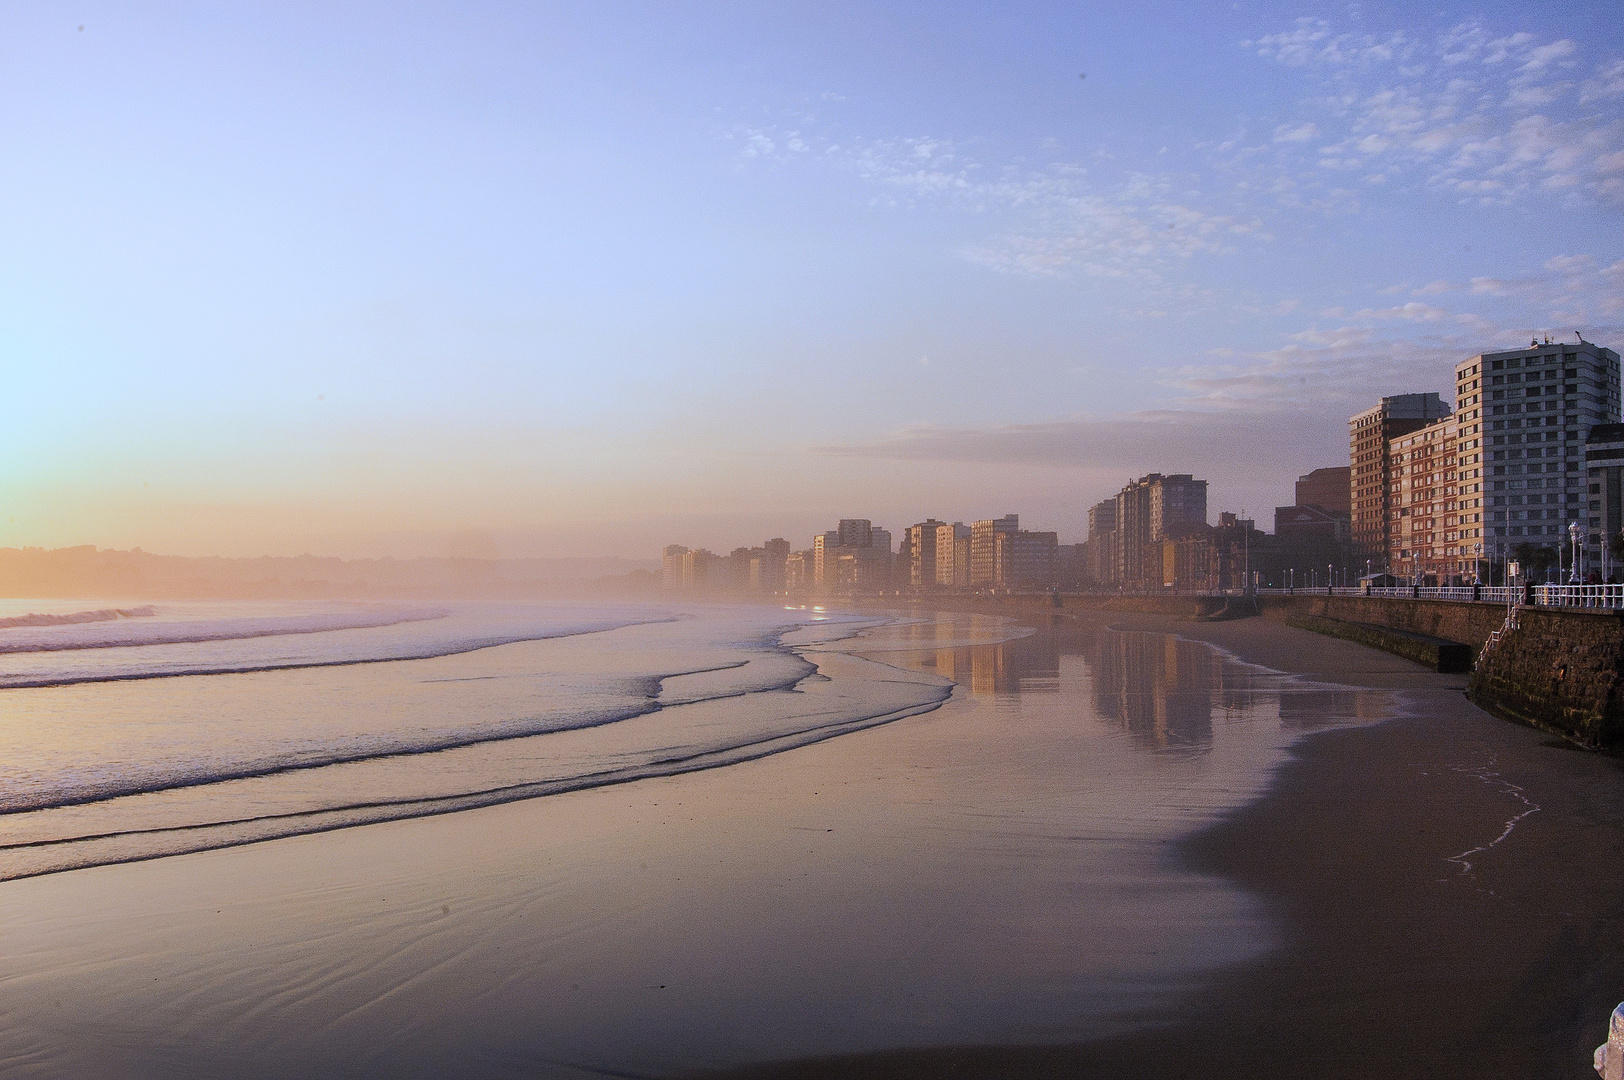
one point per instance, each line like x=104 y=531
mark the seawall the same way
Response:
x=1560 y=670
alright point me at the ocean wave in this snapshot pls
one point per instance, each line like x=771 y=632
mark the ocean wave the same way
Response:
x=661 y=698
x=429 y=651
x=68 y=637
x=647 y=695
x=33 y=858
x=100 y=615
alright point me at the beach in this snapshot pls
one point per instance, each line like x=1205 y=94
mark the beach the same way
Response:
x=1332 y=893
x=1449 y=887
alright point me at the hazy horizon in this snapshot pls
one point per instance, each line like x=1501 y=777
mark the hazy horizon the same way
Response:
x=572 y=280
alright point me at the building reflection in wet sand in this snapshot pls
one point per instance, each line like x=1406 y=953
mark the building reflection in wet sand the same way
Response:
x=1160 y=689
x=1029 y=664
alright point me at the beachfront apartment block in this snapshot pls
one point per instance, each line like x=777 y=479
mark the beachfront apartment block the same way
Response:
x=1328 y=488
x=1435 y=496
x=1369 y=435
x=1434 y=480
x=1539 y=405
x=1148 y=510
x=922 y=553
x=953 y=555
x=1604 y=468
x=983 y=553
x=1099 y=550
x=671 y=566
x=1023 y=559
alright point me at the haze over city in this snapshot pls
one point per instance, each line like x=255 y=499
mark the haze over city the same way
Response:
x=577 y=280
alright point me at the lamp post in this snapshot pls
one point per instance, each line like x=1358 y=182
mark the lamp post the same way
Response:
x=1573 y=531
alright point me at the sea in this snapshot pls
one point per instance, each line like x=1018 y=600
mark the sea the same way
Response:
x=907 y=828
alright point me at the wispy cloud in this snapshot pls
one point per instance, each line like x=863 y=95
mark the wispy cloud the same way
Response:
x=1488 y=119
x=1476 y=117
x=1052 y=219
x=1166 y=439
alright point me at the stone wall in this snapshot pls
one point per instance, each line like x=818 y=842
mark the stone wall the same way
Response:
x=1467 y=622
x=1560 y=670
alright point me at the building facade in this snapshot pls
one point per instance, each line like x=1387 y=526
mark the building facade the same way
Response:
x=1368 y=436
x=1099 y=550
x=671 y=566
x=1509 y=466
x=1329 y=488
x=1148 y=510
x=983 y=551
x=1425 y=481
x=1024 y=560
x=953 y=556
x=1539 y=406
x=1604 y=507
x=922 y=553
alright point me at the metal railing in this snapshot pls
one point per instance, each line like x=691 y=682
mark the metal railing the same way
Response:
x=1581 y=596
x=1591 y=596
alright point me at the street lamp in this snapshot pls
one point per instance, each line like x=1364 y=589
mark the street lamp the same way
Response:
x=1573 y=531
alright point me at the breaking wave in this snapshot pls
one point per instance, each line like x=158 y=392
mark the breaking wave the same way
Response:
x=99 y=615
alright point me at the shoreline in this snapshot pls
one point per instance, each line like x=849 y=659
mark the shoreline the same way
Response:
x=1448 y=887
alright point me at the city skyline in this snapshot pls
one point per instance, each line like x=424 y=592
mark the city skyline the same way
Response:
x=571 y=279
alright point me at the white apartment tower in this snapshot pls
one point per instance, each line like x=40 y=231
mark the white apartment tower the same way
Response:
x=1537 y=407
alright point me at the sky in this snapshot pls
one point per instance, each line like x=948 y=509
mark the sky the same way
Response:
x=533 y=279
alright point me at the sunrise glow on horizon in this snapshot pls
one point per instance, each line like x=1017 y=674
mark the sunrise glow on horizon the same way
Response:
x=584 y=279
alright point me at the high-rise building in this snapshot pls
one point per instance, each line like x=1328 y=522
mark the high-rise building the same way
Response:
x=1024 y=560
x=798 y=572
x=922 y=553
x=1330 y=488
x=671 y=566
x=1538 y=406
x=1099 y=551
x=1604 y=507
x=824 y=557
x=1508 y=467
x=953 y=555
x=983 y=564
x=1148 y=510
x=1368 y=437
x=1427 y=472
x=696 y=568
x=767 y=569
x=854 y=532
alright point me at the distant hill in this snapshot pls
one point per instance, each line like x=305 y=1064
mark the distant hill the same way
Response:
x=88 y=572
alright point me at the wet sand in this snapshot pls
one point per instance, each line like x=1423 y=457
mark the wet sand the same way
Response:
x=1450 y=889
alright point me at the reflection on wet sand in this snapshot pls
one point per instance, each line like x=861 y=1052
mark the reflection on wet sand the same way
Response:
x=1160 y=689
